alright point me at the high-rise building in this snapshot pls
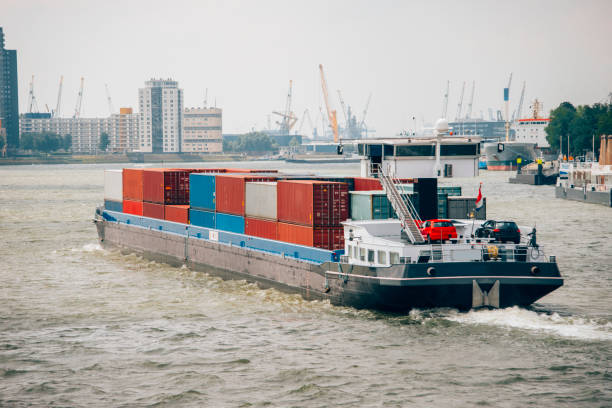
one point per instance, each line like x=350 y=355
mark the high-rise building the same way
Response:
x=202 y=130
x=9 y=103
x=160 y=105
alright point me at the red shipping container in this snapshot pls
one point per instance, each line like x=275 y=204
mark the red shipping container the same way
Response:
x=230 y=191
x=261 y=228
x=132 y=184
x=231 y=170
x=331 y=238
x=153 y=210
x=132 y=207
x=177 y=213
x=372 y=184
x=166 y=186
x=312 y=202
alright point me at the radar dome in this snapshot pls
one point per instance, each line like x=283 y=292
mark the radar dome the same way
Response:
x=442 y=125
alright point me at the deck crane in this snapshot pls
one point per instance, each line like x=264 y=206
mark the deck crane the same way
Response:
x=362 y=126
x=108 y=98
x=32 y=98
x=506 y=103
x=460 y=105
x=56 y=114
x=519 y=109
x=445 y=100
x=288 y=118
x=79 y=102
x=468 y=114
x=331 y=114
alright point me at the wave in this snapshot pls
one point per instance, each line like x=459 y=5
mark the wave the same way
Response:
x=514 y=317
x=88 y=248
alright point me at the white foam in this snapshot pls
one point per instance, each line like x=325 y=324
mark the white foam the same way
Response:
x=89 y=248
x=515 y=317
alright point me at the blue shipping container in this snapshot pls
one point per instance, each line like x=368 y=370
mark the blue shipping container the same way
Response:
x=231 y=223
x=202 y=218
x=202 y=191
x=113 y=205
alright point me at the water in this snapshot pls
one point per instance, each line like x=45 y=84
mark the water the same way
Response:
x=82 y=326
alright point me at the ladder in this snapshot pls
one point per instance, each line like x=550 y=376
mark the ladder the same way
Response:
x=403 y=207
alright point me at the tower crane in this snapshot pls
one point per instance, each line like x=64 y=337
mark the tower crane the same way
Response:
x=331 y=114
x=445 y=100
x=108 y=98
x=59 y=98
x=459 y=106
x=79 y=102
x=469 y=110
x=32 y=99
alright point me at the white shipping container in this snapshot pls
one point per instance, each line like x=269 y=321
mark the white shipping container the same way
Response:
x=113 y=185
x=260 y=201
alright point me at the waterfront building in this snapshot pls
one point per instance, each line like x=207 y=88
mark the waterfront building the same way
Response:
x=122 y=130
x=202 y=130
x=160 y=105
x=9 y=103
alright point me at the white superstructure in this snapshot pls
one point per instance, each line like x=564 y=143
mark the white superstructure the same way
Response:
x=160 y=105
x=532 y=130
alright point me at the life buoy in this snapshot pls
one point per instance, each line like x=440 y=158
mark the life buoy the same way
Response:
x=431 y=271
x=535 y=270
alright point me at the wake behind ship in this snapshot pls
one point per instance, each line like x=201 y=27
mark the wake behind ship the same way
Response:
x=355 y=241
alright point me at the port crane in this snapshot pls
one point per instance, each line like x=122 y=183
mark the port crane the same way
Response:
x=460 y=105
x=288 y=118
x=519 y=109
x=32 y=98
x=56 y=114
x=506 y=103
x=362 y=126
x=346 y=115
x=306 y=115
x=79 y=102
x=331 y=114
x=445 y=100
x=468 y=114
x=108 y=98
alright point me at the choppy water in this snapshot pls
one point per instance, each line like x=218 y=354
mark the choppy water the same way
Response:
x=82 y=326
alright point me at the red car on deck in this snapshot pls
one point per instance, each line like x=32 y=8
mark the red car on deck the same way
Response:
x=438 y=230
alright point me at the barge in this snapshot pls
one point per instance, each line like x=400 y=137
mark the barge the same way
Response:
x=382 y=264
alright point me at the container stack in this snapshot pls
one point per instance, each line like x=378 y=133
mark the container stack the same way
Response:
x=202 y=200
x=310 y=212
x=374 y=205
x=443 y=193
x=165 y=188
x=132 y=191
x=113 y=190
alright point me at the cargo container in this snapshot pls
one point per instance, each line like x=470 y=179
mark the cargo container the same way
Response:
x=367 y=184
x=442 y=205
x=113 y=205
x=202 y=191
x=261 y=228
x=374 y=205
x=113 y=185
x=177 y=213
x=329 y=237
x=427 y=190
x=132 y=207
x=230 y=222
x=202 y=218
x=166 y=186
x=234 y=170
x=311 y=202
x=132 y=184
x=230 y=191
x=153 y=210
x=464 y=207
x=260 y=201
x=451 y=191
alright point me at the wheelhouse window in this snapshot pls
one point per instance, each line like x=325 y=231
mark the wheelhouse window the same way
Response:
x=382 y=257
x=415 y=150
x=394 y=258
x=459 y=150
x=370 y=255
x=362 y=254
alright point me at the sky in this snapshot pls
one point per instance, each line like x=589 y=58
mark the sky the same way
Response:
x=246 y=52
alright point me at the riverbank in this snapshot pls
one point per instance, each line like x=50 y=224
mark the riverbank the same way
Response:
x=118 y=158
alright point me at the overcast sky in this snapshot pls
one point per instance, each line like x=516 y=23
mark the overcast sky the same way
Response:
x=245 y=53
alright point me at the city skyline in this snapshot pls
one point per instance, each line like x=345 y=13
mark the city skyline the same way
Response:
x=245 y=54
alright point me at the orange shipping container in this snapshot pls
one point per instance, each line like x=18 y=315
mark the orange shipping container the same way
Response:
x=261 y=228
x=132 y=184
x=153 y=210
x=177 y=213
x=330 y=238
x=312 y=202
x=132 y=207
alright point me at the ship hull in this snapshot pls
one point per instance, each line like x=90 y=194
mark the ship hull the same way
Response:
x=502 y=156
x=397 y=288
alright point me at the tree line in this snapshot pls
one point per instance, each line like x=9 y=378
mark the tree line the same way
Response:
x=580 y=123
x=250 y=143
x=45 y=142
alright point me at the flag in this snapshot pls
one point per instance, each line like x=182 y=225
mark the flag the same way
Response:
x=479 y=198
